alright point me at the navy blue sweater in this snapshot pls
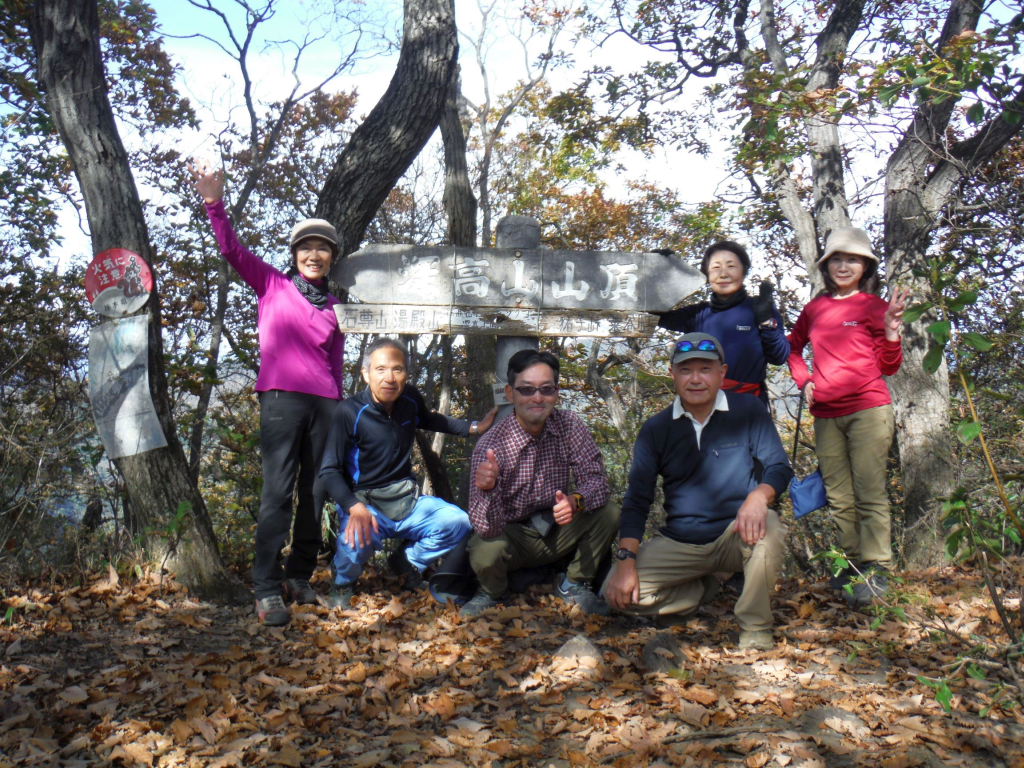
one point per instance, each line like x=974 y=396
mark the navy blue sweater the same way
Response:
x=368 y=448
x=748 y=347
x=706 y=486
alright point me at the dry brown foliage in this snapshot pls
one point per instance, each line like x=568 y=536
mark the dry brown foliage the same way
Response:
x=109 y=672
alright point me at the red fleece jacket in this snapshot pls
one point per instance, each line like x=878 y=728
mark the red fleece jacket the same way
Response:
x=851 y=353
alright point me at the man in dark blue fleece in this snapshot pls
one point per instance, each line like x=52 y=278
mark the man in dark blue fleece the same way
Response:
x=722 y=464
x=366 y=470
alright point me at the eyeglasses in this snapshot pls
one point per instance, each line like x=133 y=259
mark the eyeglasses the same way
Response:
x=527 y=391
x=704 y=345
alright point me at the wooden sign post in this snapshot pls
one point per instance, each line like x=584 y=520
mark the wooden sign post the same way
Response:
x=516 y=290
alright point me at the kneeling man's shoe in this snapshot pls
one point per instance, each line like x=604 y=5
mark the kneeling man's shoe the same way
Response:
x=341 y=595
x=760 y=640
x=399 y=565
x=479 y=603
x=871 y=586
x=578 y=593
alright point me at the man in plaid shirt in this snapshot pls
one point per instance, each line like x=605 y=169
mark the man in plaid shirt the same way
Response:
x=522 y=506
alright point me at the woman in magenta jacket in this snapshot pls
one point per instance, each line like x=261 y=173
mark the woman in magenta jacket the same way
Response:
x=856 y=340
x=302 y=354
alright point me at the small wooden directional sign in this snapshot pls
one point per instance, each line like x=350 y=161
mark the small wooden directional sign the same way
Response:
x=505 y=291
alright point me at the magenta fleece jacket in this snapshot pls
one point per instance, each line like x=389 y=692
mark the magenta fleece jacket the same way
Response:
x=301 y=347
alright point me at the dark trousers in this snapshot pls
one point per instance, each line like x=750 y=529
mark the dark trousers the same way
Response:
x=293 y=433
x=518 y=546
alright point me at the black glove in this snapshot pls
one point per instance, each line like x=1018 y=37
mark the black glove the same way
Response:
x=663 y=251
x=762 y=303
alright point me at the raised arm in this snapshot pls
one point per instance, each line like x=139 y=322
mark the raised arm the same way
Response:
x=889 y=348
x=774 y=341
x=209 y=184
x=681 y=320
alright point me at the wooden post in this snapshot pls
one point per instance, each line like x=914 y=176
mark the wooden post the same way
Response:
x=512 y=232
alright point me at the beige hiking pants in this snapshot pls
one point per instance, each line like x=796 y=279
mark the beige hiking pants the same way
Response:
x=670 y=573
x=852 y=453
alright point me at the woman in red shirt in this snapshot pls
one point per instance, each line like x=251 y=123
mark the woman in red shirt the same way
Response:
x=856 y=340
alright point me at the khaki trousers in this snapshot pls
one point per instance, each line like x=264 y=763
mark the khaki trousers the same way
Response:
x=670 y=573
x=520 y=546
x=852 y=453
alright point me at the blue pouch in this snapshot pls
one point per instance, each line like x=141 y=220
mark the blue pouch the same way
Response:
x=807 y=494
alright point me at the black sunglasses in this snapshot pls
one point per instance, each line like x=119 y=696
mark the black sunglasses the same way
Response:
x=527 y=391
x=704 y=345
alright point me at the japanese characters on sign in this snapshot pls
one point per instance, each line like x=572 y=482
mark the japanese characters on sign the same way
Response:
x=118 y=282
x=517 y=278
x=509 y=292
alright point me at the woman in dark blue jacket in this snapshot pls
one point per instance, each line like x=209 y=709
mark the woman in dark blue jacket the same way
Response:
x=749 y=327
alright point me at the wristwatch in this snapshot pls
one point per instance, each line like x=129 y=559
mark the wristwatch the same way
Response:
x=473 y=427
x=771 y=323
x=625 y=554
x=578 y=498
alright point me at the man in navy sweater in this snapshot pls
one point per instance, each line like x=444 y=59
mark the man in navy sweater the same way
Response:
x=722 y=464
x=366 y=470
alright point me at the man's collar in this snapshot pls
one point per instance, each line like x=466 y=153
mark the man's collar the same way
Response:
x=678 y=409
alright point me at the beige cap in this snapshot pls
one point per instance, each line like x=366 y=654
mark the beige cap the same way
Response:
x=849 y=240
x=314 y=228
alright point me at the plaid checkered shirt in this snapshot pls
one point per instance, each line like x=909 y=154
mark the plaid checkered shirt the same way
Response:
x=530 y=470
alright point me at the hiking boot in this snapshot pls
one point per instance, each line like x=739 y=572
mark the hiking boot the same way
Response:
x=479 y=603
x=300 y=591
x=341 y=595
x=272 y=611
x=399 y=565
x=838 y=581
x=759 y=640
x=711 y=587
x=580 y=593
x=871 y=586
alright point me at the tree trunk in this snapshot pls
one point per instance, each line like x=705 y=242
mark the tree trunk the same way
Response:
x=830 y=208
x=459 y=202
x=461 y=208
x=195 y=449
x=161 y=490
x=921 y=179
x=595 y=377
x=385 y=144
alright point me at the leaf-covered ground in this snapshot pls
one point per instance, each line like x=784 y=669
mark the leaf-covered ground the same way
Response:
x=108 y=673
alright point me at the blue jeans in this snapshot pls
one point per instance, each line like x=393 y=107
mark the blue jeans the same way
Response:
x=434 y=525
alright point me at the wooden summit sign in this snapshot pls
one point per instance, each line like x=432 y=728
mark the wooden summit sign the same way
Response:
x=509 y=291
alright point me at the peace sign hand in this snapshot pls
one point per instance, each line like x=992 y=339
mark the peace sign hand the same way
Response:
x=894 y=313
x=208 y=183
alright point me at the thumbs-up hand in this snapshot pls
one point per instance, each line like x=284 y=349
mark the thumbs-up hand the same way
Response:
x=563 y=508
x=487 y=472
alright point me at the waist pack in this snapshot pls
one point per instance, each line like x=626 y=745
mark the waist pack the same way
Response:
x=394 y=500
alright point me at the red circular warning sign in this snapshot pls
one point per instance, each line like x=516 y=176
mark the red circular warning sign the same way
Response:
x=118 y=282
